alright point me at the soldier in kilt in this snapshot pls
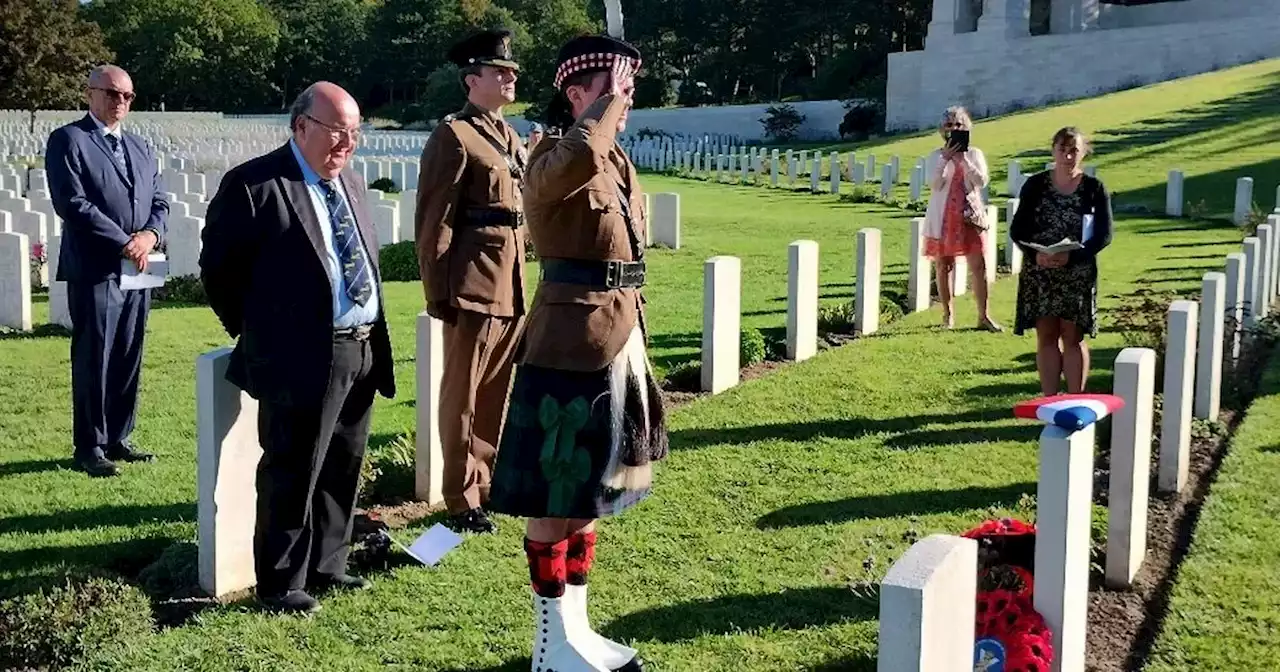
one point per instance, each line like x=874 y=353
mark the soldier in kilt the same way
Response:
x=585 y=421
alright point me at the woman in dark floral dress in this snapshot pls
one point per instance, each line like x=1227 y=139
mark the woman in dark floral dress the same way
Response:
x=1058 y=293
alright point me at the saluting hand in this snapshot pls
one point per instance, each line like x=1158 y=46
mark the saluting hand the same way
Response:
x=622 y=80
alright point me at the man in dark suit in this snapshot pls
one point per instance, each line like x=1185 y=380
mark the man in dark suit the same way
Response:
x=105 y=187
x=290 y=265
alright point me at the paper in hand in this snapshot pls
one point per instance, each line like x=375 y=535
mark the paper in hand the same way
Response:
x=1064 y=245
x=1086 y=229
x=433 y=545
x=132 y=278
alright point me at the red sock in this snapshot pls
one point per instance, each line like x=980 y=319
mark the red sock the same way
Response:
x=581 y=554
x=546 y=567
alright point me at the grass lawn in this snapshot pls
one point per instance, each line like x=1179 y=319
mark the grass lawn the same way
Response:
x=781 y=497
x=1225 y=608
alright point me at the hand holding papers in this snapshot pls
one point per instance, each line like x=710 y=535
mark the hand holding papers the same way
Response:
x=132 y=278
x=1064 y=245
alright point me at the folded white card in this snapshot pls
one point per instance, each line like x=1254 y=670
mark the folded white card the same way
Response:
x=1063 y=245
x=157 y=271
x=1086 y=229
x=434 y=544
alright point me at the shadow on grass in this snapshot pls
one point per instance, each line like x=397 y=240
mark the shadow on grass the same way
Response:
x=47 y=566
x=518 y=665
x=791 y=609
x=864 y=662
x=103 y=516
x=39 y=331
x=962 y=435
x=34 y=467
x=834 y=428
x=894 y=505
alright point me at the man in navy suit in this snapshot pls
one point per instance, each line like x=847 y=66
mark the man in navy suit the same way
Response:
x=290 y=265
x=105 y=186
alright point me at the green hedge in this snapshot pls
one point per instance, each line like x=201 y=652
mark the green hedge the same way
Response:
x=399 y=262
x=81 y=621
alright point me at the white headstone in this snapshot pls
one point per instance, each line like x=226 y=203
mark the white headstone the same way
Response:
x=960 y=276
x=1015 y=178
x=1244 y=200
x=919 y=269
x=226 y=471
x=835 y=173
x=1266 y=252
x=408 y=204
x=928 y=607
x=815 y=173
x=59 y=310
x=1251 y=276
x=866 y=313
x=802 y=300
x=871 y=164
x=15 y=281
x=773 y=170
x=1209 y=358
x=1012 y=253
x=1135 y=381
x=886 y=180
x=1063 y=508
x=721 y=323
x=917 y=183
x=1235 y=297
x=666 y=220
x=859 y=174
x=1179 y=376
x=429 y=451
x=386 y=220
x=1173 y=194
x=183 y=241
x=792 y=163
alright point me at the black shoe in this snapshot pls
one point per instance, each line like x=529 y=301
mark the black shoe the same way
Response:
x=472 y=520
x=96 y=466
x=127 y=452
x=340 y=581
x=293 y=601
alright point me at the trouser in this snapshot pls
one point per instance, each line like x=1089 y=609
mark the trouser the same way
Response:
x=478 y=354
x=107 y=328
x=309 y=475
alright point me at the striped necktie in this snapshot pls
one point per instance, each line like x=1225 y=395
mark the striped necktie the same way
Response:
x=117 y=150
x=355 y=267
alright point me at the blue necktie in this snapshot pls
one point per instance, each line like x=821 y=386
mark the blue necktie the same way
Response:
x=355 y=268
x=117 y=150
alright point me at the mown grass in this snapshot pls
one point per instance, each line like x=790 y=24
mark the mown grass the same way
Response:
x=782 y=497
x=1224 y=613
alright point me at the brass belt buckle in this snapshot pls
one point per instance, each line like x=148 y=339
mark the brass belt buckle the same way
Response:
x=613 y=274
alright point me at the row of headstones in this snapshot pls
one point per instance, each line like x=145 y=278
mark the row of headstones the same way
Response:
x=1174 y=197
x=932 y=588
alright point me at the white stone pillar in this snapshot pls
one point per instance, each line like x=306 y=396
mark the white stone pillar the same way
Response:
x=666 y=220
x=989 y=239
x=928 y=607
x=1277 y=208
x=1015 y=178
x=871 y=165
x=1179 y=376
x=792 y=164
x=1233 y=321
x=59 y=309
x=960 y=277
x=815 y=173
x=1252 y=273
x=15 y=281
x=1266 y=255
x=835 y=173
x=1012 y=253
x=228 y=452
x=773 y=170
x=886 y=180
x=1274 y=222
x=648 y=220
x=919 y=269
x=1135 y=380
x=428 y=460
x=802 y=300
x=867 y=297
x=408 y=207
x=917 y=183
x=1173 y=199
x=1244 y=200
x=895 y=173
x=386 y=219
x=183 y=240
x=721 y=323
x=859 y=174
x=1209 y=358
x=1063 y=501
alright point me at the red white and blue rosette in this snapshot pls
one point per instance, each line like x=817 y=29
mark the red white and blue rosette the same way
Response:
x=1072 y=412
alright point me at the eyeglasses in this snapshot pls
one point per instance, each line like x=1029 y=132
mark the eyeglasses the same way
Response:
x=126 y=96
x=337 y=134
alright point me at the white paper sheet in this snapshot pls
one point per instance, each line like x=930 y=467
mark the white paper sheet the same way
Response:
x=1086 y=229
x=1063 y=245
x=433 y=545
x=157 y=271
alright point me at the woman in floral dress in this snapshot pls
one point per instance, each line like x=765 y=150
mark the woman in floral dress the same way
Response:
x=1058 y=293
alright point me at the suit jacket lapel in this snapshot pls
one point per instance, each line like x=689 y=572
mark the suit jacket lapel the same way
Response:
x=299 y=199
x=101 y=142
x=131 y=159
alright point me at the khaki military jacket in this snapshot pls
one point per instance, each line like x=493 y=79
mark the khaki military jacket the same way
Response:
x=465 y=266
x=574 y=208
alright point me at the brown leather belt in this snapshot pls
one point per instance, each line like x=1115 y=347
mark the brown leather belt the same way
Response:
x=608 y=274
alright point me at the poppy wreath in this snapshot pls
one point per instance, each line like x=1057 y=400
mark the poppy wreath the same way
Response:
x=1006 y=588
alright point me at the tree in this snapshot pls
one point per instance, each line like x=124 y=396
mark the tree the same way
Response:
x=46 y=52
x=320 y=40
x=194 y=54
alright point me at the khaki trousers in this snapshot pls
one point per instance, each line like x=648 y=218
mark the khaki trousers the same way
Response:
x=479 y=351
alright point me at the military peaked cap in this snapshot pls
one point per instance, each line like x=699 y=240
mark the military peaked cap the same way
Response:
x=592 y=53
x=491 y=47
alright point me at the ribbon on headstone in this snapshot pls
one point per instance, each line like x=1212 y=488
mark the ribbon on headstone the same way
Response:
x=1072 y=412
